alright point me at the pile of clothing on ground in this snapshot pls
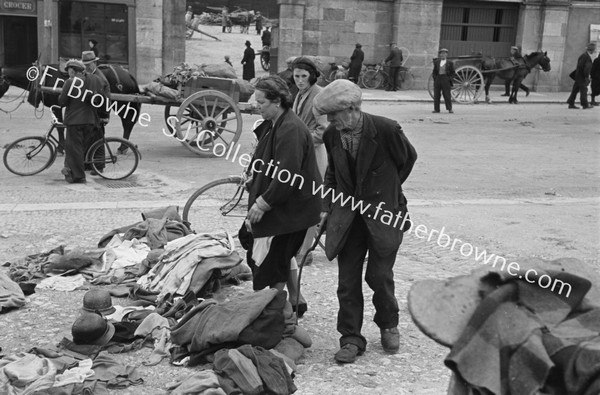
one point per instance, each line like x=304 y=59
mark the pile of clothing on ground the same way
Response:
x=159 y=254
x=536 y=332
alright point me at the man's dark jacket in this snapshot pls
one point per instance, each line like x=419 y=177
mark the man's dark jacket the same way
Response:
x=395 y=57
x=449 y=67
x=356 y=61
x=384 y=160
x=583 y=70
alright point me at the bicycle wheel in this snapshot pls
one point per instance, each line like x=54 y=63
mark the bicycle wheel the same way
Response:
x=29 y=155
x=221 y=204
x=106 y=159
x=372 y=79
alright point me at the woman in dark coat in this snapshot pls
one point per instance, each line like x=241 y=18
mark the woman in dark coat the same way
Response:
x=281 y=203
x=595 y=76
x=248 y=62
x=356 y=61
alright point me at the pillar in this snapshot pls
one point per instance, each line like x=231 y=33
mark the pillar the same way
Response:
x=288 y=35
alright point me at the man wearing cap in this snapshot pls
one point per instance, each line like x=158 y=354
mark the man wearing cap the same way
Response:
x=369 y=158
x=80 y=117
x=90 y=60
x=395 y=61
x=581 y=75
x=443 y=70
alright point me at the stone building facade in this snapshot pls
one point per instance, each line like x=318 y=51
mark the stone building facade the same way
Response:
x=421 y=27
x=145 y=36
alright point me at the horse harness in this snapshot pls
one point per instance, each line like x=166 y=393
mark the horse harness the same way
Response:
x=111 y=67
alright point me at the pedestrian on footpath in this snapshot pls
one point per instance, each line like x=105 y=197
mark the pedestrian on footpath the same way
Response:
x=248 y=62
x=90 y=60
x=443 y=70
x=281 y=203
x=80 y=118
x=259 y=23
x=581 y=76
x=595 y=76
x=369 y=158
x=356 y=61
x=395 y=61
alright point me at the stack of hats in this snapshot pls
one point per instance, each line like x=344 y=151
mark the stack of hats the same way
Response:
x=91 y=328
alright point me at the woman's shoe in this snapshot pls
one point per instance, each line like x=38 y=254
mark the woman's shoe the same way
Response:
x=302 y=308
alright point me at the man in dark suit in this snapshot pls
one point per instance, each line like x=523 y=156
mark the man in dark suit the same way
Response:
x=369 y=158
x=581 y=75
x=395 y=61
x=443 y=70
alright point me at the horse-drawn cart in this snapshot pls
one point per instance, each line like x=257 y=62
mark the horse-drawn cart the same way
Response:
x=468 y=82
x=206 y=119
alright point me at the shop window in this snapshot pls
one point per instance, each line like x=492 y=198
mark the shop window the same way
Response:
x=106 y=23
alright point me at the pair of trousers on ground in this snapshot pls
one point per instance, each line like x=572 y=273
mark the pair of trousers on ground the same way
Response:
x=78 y=140
x=380 y=278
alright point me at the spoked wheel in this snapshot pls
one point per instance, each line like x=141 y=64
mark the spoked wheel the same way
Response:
x=372 y=79
x=430 y=85
x=265 y=57
x=29 y=155
x=109 y=161
x=221 y=204
x=468 y=84
x=208 y=123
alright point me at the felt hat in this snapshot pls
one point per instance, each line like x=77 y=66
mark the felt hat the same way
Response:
x=338 y=95
x=443 y=50
x=76 y=64
x=92 y=328
x=98 y=300
x=88 y=57
x=248 y=43
x=303 y=60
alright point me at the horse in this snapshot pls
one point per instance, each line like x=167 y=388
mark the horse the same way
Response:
x=515 y=74
x=26 y=77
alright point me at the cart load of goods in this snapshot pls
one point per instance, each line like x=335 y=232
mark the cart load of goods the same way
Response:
x=170 y=86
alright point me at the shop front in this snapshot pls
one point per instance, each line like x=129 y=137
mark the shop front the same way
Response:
x=18 y=32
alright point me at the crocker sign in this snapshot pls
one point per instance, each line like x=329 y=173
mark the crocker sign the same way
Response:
x=16 y=6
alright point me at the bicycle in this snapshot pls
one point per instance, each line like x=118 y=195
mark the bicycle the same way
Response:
x=31 y=155
x=223 y=201
x=265 y=58
x=375 y=78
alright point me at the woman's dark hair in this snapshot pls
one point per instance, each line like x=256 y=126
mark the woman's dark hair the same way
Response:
x=93 y=42
x=308 y=65
x=274 y=87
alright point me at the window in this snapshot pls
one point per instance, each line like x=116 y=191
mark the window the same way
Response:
x=80 y=22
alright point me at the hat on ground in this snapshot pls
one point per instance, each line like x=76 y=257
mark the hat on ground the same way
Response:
x=303 y=60
x=338 y=95
x=75 y=64
x=88 y=57
x=443 y=50
x=92 y=328
x=98 y=300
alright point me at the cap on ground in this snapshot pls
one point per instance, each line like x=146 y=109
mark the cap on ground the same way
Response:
x=98 y=300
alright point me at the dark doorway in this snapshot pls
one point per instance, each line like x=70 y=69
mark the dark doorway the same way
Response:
x=20 y=40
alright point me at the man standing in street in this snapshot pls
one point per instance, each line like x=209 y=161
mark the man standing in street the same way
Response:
x=90 y=60
x=80 y=118
x=395 y=61
x=443 y=70
x=581 y=75
x=369 y=158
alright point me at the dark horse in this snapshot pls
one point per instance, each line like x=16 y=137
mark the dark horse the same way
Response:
x=119 y=79
x=515 y=74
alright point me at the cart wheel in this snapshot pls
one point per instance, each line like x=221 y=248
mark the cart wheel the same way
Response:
x=468 y=84
x=170 y=111
x=208 y=123
x=430 y=85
